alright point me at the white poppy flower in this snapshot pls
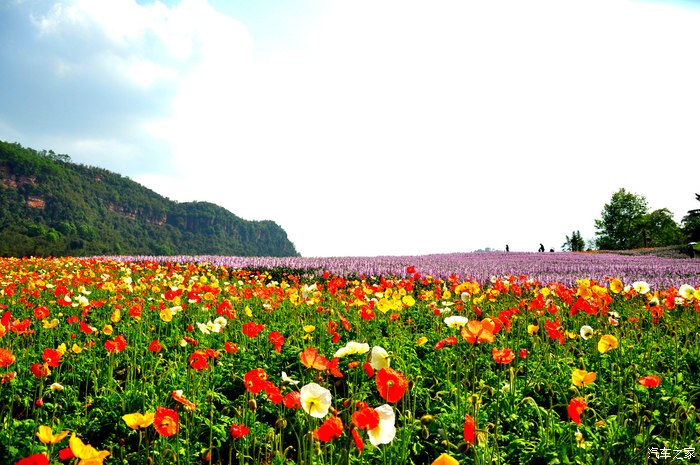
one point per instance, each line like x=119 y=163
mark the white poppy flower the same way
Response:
x=686 y=291
x=586 y=332
x=641 y=287
x=286 y=379
x=315 y=400
x=351 y=348
x=456 y=321
x=379 y=358
x=385 y=430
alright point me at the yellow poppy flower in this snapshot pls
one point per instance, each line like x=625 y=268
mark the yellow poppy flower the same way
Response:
x=45 y=435
x=138 y=420
x=85 y=452
x=606 y=343
x=582 y=377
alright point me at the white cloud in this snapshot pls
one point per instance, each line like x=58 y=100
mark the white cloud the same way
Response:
x=400 y=127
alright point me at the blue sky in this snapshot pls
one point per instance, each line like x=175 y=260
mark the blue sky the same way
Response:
x=379 y=127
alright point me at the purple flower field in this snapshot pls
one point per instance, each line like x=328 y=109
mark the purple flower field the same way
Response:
x=561 y=267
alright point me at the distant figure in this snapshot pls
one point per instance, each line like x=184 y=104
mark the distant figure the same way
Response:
x=541 y=249
x=552 y=249
x=507 y=248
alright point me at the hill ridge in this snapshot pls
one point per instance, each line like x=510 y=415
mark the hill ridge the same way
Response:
x=50 y=206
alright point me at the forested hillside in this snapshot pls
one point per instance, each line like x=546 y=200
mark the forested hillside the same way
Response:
x=50 y=206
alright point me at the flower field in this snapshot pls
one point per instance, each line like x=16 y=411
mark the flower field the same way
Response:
x=467 y=358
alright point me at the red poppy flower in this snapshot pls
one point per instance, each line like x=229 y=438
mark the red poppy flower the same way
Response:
x=650 y=381
x=115 y=345
x=51 y=357
x=576 y=408
x=469 y=429
x=166 y=421
x=554 y=330
x=273 y=393
x=155 y=346
x=198 y=360
x=366 y=418
x=41 y=312
x=277 y=340
x=359 y=444
x=391 y=384
x=40 y=370
x=230 y=347
x=65 y=454
x=35 y=459
x=238 y=431
x=292 y=400
x=252 y=329
x=330 y=429
x=369 y=369
x=333 y=367
x=135 y=311
x=86 y=328
x=522 y=353
x=502 y=356
x=448 y=341
x=255 y=380
x=366 y=313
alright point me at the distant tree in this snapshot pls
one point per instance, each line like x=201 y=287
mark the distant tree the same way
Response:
x=659 y=229
x=691 y=224
x=575 y=243
x=620 y=224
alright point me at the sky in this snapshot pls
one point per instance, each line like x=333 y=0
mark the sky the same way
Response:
x=370 y=127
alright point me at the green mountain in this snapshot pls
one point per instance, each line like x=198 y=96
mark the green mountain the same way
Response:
x=50 y=206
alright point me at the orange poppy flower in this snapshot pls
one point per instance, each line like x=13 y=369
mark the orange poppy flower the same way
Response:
x=178 y=396
x=476 y=331
x=445 y=459
x=6 y=358
x=503 y=356
x=311 y=359
x=166 y=422
x=391 y=384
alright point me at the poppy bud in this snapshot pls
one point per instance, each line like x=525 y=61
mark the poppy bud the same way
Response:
x=425 y=434
x=463 y=446
x=40 y=402
x=281 y=423
x=427 y=419
x=252 y=405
